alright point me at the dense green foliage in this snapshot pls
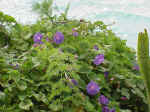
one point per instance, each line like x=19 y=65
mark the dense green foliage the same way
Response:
x=143 y=59
x=38 y=79
x=6 y=22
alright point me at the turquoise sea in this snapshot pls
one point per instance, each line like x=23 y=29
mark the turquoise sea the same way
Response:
x=130 y=16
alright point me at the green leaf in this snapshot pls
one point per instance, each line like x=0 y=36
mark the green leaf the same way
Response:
x=22 y=85
x=125 y=92
x=2 y=95
x=85 y=69
x=25 y=105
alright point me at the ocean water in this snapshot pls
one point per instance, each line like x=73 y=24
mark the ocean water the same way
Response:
x=130 y=16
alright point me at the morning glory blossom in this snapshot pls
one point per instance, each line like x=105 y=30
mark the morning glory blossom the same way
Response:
x=103 y=100
x=92 y=88
x=58 y=38
x=99 y=59
x=37 y=38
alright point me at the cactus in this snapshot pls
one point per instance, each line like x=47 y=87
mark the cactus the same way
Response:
x=144 y=61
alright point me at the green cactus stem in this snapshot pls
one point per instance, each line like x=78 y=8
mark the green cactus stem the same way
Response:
x=144 y=61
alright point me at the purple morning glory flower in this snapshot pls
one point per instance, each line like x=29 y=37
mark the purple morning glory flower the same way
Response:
x=74 y=81
x=58 y=38
x=98 y=59
x=106 y=74
x=103 y=100
x=105 y=109
x=75 y=33
x=112 y=110
x=96 y=47
x=136 y=67
x=92 y=88
x=38 y=38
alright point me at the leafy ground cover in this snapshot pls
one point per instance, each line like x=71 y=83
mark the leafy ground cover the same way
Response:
x=65 y=65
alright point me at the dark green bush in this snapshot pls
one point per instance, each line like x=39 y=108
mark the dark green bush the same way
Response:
x=39 y=78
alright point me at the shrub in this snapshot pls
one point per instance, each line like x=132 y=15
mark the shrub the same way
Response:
x=63 y=72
